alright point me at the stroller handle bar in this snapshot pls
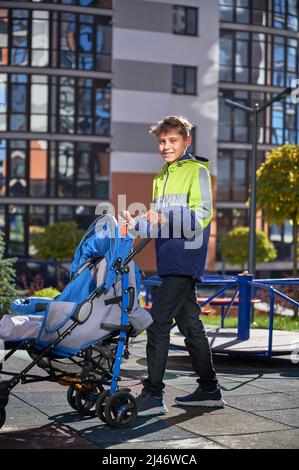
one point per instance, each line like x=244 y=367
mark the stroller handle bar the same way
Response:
x=137 y=250
x=110 y=219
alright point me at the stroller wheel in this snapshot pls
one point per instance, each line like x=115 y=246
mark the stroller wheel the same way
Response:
x=2 y=417
x=71 y=393
x=100 y=405
x=120 y=409
x=86 y=398
x=3 y=402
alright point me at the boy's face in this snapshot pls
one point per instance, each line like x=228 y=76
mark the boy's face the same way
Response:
x=172 y=145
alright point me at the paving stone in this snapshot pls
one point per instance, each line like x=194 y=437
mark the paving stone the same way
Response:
x=40 y=399
x=49 y=436
x=237 y=388
x=282 y=384
x=193 y=443
x=211 y=423
x=23 y=418
x=287 y=416
x=264 y=401
x=288 y=439
x=262 y=397
x=103 y=435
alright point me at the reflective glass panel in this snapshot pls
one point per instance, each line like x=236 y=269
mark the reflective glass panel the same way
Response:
x=37 y=225
x=66 y=167
x=103 y=111
x=16 y=245
x=40 y=39
x=38 y=168
x=3 y=166
x=3 y=37
x=67 y=105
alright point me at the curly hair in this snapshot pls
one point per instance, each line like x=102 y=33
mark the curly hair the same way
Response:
x=179 y=123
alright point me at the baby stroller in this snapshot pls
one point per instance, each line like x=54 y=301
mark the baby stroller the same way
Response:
x=80 y=337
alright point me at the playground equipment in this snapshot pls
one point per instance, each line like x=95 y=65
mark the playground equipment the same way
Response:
x=244 y=340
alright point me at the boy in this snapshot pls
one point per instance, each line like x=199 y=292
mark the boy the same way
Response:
x=183 y=203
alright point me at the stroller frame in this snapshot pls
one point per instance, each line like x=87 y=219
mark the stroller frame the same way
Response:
x=115 y=407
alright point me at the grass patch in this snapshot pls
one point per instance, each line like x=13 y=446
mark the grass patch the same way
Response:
x=260 y=321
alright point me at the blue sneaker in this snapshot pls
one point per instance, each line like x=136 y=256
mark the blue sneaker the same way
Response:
x=150 y=405
x=201 y=398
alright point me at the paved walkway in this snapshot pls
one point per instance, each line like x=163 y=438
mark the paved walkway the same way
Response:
x=262 y=410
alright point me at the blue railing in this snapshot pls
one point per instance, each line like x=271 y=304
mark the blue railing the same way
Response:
x=243 y=284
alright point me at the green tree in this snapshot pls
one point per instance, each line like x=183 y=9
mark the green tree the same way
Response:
x=58 y=241
x=8 y=289
x=234 y=247
x=278 y=190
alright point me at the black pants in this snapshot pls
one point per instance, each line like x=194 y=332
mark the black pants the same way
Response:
x=176 y=299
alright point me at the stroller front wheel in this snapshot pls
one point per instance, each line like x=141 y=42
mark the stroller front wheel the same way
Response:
x=86 y=398
x=100 y=405
x=2 y=417
x=120 y=410
x=71 y=394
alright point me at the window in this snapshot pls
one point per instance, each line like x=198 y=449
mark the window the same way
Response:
x=3 y=167
x=45 y=38
x=240 y=54
x=258 y=58
x=16 y=223
x=85 y=108
x=184 y=80
x=233 y=122
x=233 y=175
x=3 y=101
x=40 y=39
x=245 y=11
x=285 y=14
x=226 y=56
x=277 y=125
x=20 y=33
x=242 y=57
x=185 y=20
x=85 y=42
x=38 y=168
x=285 y=66
x=102 y=110
x=3 y=37
x=39 y=103
x=19 y=102
x=18 y=168
x=67 y=105
x=37 y=224
x=226 y=10
x=66 y=169
x=282 y=238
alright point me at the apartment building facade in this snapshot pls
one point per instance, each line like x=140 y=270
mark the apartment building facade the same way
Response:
x=81 y=81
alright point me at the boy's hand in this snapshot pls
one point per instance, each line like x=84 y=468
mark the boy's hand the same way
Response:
x=126 y=220
x=154 y=217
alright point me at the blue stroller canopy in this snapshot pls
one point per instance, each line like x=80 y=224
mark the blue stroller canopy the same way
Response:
x=92 y=271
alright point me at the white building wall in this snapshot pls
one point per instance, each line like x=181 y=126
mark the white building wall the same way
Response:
x=167 y=48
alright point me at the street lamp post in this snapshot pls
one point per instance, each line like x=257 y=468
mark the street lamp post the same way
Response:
x=254 y=112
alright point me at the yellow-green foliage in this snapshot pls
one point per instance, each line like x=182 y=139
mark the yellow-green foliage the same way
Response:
x=234 y=247
x=58 y=241
x=49 y=292
x=278 y=184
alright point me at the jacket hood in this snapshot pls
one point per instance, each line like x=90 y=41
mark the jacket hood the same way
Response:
x=198 y=158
